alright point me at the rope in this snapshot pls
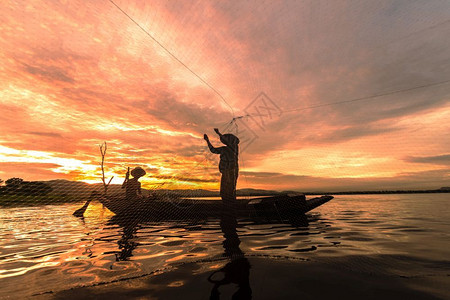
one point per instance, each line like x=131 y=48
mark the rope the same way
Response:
x=234 y=118
x=173 y=56
x=352 y=100
x=286 y=111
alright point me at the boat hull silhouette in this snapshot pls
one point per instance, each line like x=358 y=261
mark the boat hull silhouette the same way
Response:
x=159 y=208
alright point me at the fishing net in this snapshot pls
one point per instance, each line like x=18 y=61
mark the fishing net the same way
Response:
x=325 y=98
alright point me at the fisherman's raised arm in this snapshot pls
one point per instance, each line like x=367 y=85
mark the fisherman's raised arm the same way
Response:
x=210 y=146
x=217 y=131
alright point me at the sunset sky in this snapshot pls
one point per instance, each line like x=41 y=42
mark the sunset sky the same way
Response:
x=77 y=73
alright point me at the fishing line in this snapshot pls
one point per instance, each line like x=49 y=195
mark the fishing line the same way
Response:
x=349 y=101
x=234 y=120
x=385 y=45
x=369 y=97
x=182 y=178
x=184 y=65
x=286 y=111
x=174 y=57
x=413 y=33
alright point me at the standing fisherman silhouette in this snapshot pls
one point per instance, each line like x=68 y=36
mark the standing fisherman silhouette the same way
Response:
x=228 y=165
x=133 y=186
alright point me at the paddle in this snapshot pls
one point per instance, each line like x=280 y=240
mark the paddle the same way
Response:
x=79 y=212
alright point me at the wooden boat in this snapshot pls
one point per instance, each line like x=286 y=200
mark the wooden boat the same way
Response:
x=159 y=209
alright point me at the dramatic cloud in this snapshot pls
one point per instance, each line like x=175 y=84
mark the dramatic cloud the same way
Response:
x=75 y=74
x=438 y=159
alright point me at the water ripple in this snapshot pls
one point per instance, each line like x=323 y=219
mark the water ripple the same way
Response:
x=60 y=251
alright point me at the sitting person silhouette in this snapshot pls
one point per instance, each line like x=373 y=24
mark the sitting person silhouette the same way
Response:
x=228 y=165
x=133 y=186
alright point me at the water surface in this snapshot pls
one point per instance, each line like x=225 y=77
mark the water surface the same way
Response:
x=44 y=249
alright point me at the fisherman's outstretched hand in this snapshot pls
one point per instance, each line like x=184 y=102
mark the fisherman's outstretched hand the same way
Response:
x=205 y=136
x=217 y=131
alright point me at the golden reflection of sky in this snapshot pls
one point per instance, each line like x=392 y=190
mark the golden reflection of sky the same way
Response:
x=72 y=79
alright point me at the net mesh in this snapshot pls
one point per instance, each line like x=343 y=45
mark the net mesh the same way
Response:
x=325 y=97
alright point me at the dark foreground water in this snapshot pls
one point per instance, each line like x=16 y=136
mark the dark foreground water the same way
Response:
x=360 y=246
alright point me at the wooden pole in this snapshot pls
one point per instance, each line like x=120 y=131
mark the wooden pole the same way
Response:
x=103 y=148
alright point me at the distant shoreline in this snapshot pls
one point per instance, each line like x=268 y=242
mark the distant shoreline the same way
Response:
x=64 y=191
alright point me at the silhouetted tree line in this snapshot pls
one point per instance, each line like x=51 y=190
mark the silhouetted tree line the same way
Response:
x=19 y=187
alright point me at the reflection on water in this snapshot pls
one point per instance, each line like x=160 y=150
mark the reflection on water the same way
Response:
x=51 y=250
x=127 y=243
x=236 y=271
